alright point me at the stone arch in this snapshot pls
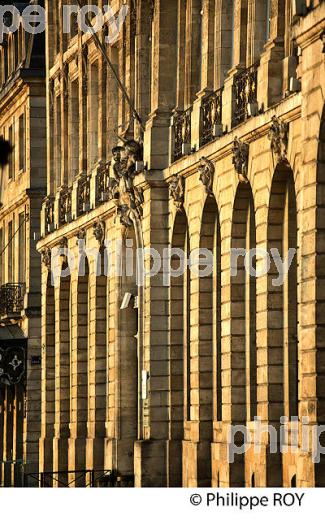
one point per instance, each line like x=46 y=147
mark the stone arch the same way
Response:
x=243 y=319
x=48 y=378
x=243 y=306
x=282 y=320
x=97 y=401
x=282 y=298
x=62 y=369
x=128 y=352
x=210 y=399
x=179 y=357
x=79 y=370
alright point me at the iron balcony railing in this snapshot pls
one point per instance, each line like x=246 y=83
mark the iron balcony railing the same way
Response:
x=12 y=298
x=182 y=133
x=78 y=478
x=65 y=205
x=102 y=183
x=49 y=214
x=211 y=117
x=244 y=95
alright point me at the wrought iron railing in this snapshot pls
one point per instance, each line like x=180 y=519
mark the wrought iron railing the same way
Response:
x=12 y=298
x=244 y=94
x=211 y=114
x=65 y=205
x=83 y=200
x=102 y=183
x=49 y=214
x=182 y=133
x=78 y=478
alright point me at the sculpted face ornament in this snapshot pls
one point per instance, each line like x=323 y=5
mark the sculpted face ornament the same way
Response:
x=128 y=198
x=240 y=152
x=206 y=170
x=81 y=237
x=176 y=191
x=46 y=257
x=278 y=135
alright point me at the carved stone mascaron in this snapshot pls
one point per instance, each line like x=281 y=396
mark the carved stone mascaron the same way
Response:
x=240 y=152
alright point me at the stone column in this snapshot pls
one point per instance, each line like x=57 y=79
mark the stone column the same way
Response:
x=207 y=41
x=223 y=40
x=163 y=84
x=240 y=33
x=151 y=452
x=48 y=375
x=271 y=65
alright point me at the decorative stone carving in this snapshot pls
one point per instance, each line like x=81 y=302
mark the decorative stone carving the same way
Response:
x=206 y=170
x=81 y=236
x=176 y=191
x=99 y=232
x=278 y=135
x=63 y=246
x=240 y=152
x=46 y=257
x=128 y=198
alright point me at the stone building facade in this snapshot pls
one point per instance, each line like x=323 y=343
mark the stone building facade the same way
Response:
x=22 y=189
x=146 y=377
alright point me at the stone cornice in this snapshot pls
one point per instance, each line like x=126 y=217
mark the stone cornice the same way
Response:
x=309 y=28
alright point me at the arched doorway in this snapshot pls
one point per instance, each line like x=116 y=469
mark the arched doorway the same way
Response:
x=179 y=356
x=62 y=372
x=282 y=321
x=129 y=391
x=210 y=398
x=243 y=319
x=48 y=380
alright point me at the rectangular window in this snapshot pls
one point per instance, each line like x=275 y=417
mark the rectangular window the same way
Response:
x=10 y=250
x=11 y=167
x=22 y=143
x=22 y=249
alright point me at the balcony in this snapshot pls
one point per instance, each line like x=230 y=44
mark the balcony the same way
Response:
x=12 y=300
x=182 y=133
x=49 y=214
x=83 y=194
x=65 y=205
x=245 y=95
x=211 y=117
x=102 y=183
